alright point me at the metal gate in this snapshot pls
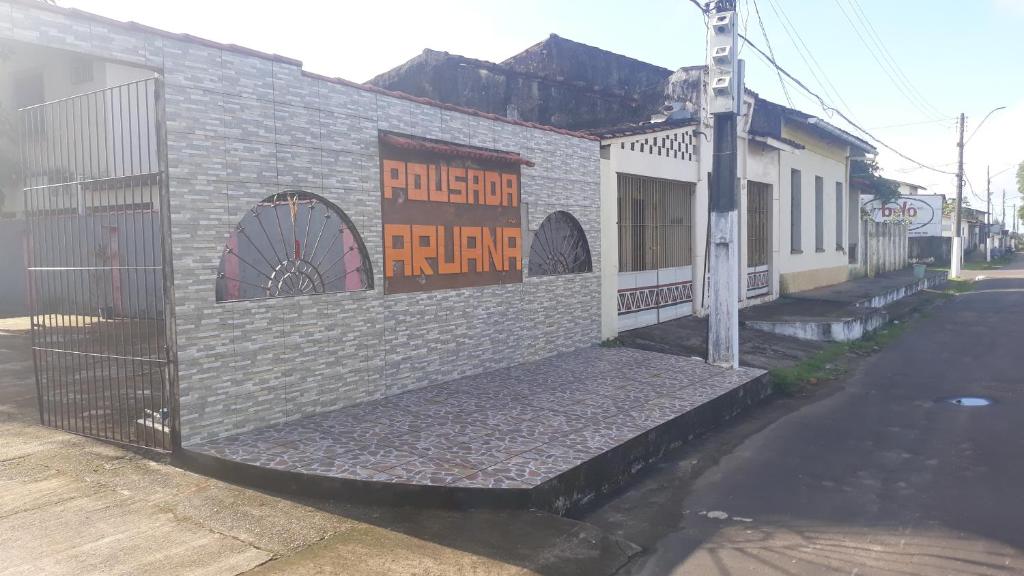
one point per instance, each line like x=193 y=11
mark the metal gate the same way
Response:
x=99 y=289
x=759 y=230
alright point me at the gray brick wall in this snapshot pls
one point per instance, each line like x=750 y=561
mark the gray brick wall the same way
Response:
x=242 y=127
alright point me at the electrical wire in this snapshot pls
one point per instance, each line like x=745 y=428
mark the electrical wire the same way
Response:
x=785 y=91
x=809 y=60
x=973 y=193
x=936 y=121
x=863 y=17
x=825 y=106
x=885 y=69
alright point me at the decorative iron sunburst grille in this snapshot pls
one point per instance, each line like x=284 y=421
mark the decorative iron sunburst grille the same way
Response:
x=293 y=244
x=559 y=247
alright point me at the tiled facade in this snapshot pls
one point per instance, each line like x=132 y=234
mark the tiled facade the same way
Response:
x=242 y=126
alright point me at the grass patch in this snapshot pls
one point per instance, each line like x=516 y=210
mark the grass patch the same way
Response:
x=956 y=286
x=832 y=361
x=611 y=343
x=993 y=265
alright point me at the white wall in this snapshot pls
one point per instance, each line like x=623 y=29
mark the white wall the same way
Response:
x=56 y=68
x=810 y=164
x=626 y=161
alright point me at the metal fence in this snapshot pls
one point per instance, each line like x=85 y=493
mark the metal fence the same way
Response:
x=655 y=223
x=96 y=213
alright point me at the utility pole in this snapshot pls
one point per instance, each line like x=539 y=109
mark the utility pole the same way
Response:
x=988 y=213
x=725 y=93
x=956 y=253
x=1003 y=230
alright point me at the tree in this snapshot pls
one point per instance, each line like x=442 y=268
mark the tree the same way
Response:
x=866 y=173
x=1020 y=189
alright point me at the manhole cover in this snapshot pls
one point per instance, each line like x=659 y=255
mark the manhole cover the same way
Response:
x=970 y=401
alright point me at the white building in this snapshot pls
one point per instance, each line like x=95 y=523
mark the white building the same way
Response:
x=798 y=218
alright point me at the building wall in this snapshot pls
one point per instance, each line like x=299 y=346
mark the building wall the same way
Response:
x=811 y=268
x=241 y=127
x=55 y=68
x=622 y=155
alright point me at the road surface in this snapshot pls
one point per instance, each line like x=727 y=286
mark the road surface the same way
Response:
x=883 y=476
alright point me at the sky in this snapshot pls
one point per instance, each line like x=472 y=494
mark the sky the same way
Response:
x=902 y=69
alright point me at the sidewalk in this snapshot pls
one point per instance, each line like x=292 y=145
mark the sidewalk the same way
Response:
x=841 y=312
x=776 y=334
x=75 y=506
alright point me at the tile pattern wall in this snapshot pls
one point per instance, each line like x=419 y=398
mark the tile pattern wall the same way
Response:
x=242 y=127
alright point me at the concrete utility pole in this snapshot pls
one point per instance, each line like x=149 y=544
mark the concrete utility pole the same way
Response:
x=988 y=213
x=956 y=253
x=725 y=83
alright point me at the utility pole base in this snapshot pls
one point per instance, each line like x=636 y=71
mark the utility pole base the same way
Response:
x=956 y=256
x=723 y=319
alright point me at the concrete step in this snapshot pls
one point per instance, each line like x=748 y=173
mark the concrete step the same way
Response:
x=839 y=313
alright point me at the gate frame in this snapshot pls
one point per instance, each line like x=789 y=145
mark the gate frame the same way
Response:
x=167 y=256
x=170 y=356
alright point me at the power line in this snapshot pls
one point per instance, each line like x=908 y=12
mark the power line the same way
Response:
x=863 y=17
x=883 y=65
x=973 y=193
x=936 y=121
x=825 y=105
x=794 y=37
x=757 y=12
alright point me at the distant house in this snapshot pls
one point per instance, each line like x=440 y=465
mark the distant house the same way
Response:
x=556 y=82
x=909 y=188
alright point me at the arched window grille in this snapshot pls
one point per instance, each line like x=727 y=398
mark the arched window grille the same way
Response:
x=291 y=244
x=559 y=247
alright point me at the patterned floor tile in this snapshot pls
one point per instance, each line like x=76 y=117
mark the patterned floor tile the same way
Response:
x=377 y=456
x=515 y=427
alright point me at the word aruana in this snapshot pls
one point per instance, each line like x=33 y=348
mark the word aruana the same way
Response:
x=424 y=250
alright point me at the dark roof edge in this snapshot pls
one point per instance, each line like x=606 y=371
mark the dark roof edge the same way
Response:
x=501 y=68
x=616 y=54
x=645 y=128
x=821 y=125
x=135 y=26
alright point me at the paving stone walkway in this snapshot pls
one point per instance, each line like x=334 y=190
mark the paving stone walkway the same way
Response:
x=512 y=428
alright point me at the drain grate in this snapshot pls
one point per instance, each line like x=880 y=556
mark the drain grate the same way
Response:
x=970 y=401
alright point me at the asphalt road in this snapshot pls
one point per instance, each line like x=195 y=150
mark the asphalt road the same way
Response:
x=881 y=475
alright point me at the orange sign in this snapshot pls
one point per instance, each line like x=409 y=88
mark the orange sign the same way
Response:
x=449 y=220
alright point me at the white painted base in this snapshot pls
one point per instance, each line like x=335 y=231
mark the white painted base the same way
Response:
x=956 y=257
x=659 y=279
x=724 y=312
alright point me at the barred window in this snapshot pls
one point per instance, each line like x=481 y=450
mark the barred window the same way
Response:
x=655 y=223
x=840 y=200
x=795 y=212
x=819 y=214
x=559 y=247
x=293 y=244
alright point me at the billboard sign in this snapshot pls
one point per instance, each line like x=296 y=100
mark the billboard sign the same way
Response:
x=451 y=216
x=922 y=213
